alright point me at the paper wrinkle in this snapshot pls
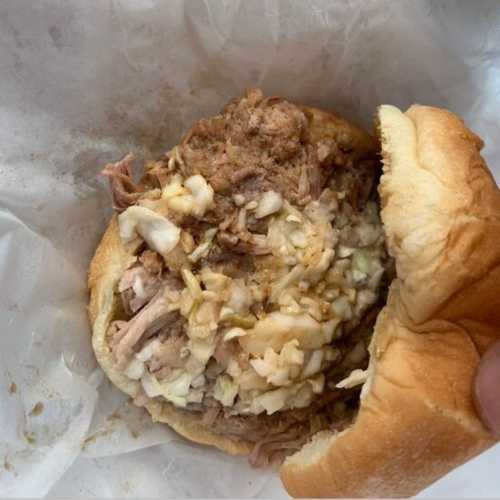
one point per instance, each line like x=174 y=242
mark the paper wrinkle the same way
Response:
x=83 y=83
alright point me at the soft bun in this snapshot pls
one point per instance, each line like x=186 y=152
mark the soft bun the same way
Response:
x=441 y=213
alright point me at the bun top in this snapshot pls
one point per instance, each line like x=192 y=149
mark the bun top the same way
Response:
x=441 y=214
x=441 y=210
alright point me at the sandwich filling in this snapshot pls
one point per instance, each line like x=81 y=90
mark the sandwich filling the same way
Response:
x=260 y=267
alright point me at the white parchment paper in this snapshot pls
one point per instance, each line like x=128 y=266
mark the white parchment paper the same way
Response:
x=82 y=83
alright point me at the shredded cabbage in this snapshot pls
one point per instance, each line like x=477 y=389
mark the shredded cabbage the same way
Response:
x=201 y=349
x=356 y=377
x=234 y=333
x=159 y=233
x=270 y=202
x=135 y=369
x=270 y=401
x=313 y=366
x=240 y=298
x=146 y=353
x=203 y=248
x=174 y=390
x=214 y=281
x=195 y=198
x=225 y=390
x=192 y=284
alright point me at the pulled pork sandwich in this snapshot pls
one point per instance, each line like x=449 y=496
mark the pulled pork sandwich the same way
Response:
x=255 y=293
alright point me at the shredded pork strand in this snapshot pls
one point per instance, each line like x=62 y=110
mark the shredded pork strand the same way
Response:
x=123 y=189
x=137 y=287
x=156 y=312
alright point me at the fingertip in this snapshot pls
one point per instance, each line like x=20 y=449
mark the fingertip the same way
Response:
x=487 y=389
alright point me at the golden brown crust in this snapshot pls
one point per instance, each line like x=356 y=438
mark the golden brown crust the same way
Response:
x=441 y=213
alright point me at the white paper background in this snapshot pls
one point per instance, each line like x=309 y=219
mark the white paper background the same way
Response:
x=83 y=82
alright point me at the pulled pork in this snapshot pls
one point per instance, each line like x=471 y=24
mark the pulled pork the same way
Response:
x=154 y=316
x=123 y=189
x=137 y=287
x=257 y=145
x=278 y=435
x=260 y=144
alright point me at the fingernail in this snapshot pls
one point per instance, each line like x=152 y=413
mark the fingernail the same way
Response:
x=487 y=388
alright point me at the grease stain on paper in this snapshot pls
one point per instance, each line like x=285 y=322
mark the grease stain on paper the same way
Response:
x=36 y=410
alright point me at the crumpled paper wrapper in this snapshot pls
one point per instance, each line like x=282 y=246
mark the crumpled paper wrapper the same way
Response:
x=82 y=83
